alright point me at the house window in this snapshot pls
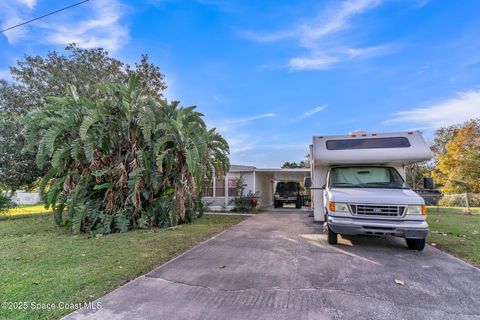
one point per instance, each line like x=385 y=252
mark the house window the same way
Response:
x=208 y=191
x=220 y=187
x=232 y=190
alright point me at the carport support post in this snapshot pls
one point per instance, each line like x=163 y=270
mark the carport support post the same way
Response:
x=214 y=193
x=226 y=190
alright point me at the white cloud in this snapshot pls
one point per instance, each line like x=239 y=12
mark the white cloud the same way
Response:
x=29 y=3
x=231 y=126
x=322 y=60
x=10 y=12
x=464 y=106
x=247 y=119
x=312 y=63
x=93 y=24
x=315 y=110
x=333 y=20
x=317 y=35
x=266 y=37
x=367 y=52
x=233 y=130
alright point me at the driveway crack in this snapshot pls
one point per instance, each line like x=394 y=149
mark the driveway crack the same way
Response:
x=311 y=289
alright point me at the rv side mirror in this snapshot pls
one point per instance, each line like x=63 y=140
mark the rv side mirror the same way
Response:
x=428 y=183
x=307 y=182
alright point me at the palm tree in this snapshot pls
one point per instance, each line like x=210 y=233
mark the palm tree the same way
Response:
x=123 y=161
x=188 y=152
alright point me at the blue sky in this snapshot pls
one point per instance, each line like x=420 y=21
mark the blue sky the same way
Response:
x=270 y=74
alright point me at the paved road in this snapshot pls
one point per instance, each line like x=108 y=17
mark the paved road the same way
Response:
x=278 y=265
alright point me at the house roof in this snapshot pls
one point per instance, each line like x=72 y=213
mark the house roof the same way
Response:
x=241 y=168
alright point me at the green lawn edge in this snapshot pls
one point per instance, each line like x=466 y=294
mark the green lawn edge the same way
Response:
x=43 y=263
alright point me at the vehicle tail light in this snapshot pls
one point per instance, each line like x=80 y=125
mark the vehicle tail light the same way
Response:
x=424 y=210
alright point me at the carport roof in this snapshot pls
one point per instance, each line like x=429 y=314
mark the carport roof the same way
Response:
x=286 y=174
x=277 y=174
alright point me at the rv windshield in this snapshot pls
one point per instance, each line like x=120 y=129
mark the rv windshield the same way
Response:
x=366 y=177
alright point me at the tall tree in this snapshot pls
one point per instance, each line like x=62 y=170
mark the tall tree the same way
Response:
x=302 y=164
x=458 y=169
x=442 y=137
x=415 y=172
x=36 y=78
x=16 y=169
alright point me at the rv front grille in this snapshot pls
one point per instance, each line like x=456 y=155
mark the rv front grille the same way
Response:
x=377 y=210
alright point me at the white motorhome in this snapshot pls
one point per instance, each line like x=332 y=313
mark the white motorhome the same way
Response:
x=358 y=185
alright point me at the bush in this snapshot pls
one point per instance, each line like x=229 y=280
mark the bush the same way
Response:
x=242 y=202
x=246 y=203
x=5 y=203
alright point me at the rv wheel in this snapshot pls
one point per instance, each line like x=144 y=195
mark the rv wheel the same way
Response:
x=332 y=236
x=416 y=244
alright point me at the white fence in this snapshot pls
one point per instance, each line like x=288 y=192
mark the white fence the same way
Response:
x=22 y=197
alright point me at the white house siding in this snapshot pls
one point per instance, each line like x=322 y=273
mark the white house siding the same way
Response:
x=264 y=184
x=247 y=176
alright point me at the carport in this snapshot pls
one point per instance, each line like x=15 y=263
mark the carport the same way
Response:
x=257 y=180
x=265 y=180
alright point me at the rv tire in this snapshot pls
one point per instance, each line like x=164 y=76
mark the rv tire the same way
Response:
x=416 y=244
x=332 y=236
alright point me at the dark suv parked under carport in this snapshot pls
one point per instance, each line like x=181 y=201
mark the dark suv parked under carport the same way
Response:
x=287 y=192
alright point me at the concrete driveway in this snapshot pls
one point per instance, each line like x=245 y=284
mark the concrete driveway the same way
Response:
x=278 y=265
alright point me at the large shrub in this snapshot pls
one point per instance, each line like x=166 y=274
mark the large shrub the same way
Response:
x=123 y=161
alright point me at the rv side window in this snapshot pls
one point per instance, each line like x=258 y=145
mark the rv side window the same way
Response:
x=370 y=143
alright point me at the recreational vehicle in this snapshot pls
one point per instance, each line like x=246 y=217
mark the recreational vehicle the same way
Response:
x=358 y=185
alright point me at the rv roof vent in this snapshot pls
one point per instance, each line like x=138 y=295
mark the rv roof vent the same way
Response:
x=358 y=133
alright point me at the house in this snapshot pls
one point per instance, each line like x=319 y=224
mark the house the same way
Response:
x=223 y=190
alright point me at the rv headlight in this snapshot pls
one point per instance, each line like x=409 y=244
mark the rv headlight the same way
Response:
x=338 y=206
x=417 y=210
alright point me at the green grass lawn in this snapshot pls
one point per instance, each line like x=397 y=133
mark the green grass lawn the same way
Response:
x=458 y=234
x=42 y=263
x=25 y=211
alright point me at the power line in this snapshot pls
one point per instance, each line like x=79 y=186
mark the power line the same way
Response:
x=45 y=15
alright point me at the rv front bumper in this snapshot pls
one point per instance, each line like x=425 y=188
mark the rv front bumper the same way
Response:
x=410 y=229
